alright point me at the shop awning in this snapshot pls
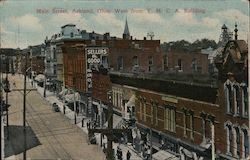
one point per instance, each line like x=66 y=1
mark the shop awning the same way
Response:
x=70 y=97
x=164 y=155
x=116 y=120
x=39 y=78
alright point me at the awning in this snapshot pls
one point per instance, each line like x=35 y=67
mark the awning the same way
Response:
x=164 y=155
x=70 y=97
x=116 y=121
x=131 y=101
x=40 y=78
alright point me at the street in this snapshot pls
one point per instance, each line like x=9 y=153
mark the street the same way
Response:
x=50 y=135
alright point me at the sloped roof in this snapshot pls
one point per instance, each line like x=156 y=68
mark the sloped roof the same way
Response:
x=242 y=45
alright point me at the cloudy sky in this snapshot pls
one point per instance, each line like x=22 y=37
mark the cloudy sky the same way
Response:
x=28 y=22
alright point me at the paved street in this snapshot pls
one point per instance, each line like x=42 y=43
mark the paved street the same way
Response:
x=50 y=134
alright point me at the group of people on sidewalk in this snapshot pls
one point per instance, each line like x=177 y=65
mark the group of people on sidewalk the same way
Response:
x=119 y=154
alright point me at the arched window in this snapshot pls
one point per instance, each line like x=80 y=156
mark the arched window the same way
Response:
x=228 y=96
x=245 y=143
x=229 y=138
x=244 y=93
x=237 y=141
x=236 y=89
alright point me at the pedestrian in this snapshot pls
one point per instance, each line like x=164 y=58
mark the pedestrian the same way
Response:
x=83 y=122
x=88 y=125
x=128 y=155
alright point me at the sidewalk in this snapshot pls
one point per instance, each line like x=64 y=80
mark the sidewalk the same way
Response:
x=51 y=98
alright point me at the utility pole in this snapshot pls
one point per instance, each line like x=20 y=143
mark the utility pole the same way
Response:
x=24 y=110
x=151 y=144
x=74 y=88
x=7 y=90
x=44 y=85
x=1 y=106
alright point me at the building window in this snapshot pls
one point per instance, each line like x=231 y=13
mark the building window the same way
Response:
x=191 y=124
x=244 y=92
x=135 y=61
x=245 y=143
x=54 y=53
x=237 y=141
x=113 y=99
x=184 y=123
x=105 y=61
x=230 y=136
x=237 y=99
x=229 y=96
x=194 y=65
x=180 y=64
x=203 y=117
x=141 y=109
x=117 y=100
x=152 y=112
x=173 y=120
x=156 y=115
x=71 y=34
x=166 y=118
x=120 y=63
x=144 y=110
x=150 y=63
x=169 y=119
x=165 y=63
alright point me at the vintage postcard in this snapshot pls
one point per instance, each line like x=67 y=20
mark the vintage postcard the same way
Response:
x=114 y=79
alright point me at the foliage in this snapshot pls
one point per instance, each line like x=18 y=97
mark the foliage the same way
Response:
x=184 y=46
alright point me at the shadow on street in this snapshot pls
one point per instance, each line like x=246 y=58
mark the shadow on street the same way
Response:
x=15 y=144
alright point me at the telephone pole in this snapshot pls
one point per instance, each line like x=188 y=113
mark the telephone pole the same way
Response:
x=1 y=106
x=24 y=109
x=7 y=90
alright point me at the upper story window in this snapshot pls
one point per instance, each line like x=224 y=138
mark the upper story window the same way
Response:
x=120 y=63
x=150 y=63
x=194 y=65
x=245 y=143
x=169 y=118
x=236 y=89
x=180 y=64
x=71 y=34
x=135 y=61
x=229 y=96
x=237 y=140
x=150 y=60
x=244 y=93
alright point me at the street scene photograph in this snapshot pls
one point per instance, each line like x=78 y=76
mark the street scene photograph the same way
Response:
x=124 y=80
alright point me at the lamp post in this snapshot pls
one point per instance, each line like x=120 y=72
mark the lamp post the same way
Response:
x=7 y=90
x=1 y=106
x=74 y=79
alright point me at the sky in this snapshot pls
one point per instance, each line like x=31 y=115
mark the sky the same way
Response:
x=28 y=22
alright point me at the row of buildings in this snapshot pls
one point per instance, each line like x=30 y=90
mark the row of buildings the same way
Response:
x=169 y=100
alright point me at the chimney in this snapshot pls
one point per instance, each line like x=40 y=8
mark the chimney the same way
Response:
x=144 y=38
x=131 y=37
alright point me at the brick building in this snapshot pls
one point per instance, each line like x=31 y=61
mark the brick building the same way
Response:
x=186 y=63
x=179 y=114
x=234 y=91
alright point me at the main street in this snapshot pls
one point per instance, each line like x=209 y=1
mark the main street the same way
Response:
x=50 y=135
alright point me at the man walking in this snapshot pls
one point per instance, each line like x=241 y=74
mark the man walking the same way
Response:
x=128 y=155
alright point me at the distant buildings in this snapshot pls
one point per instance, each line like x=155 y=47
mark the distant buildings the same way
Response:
x=169 y=99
